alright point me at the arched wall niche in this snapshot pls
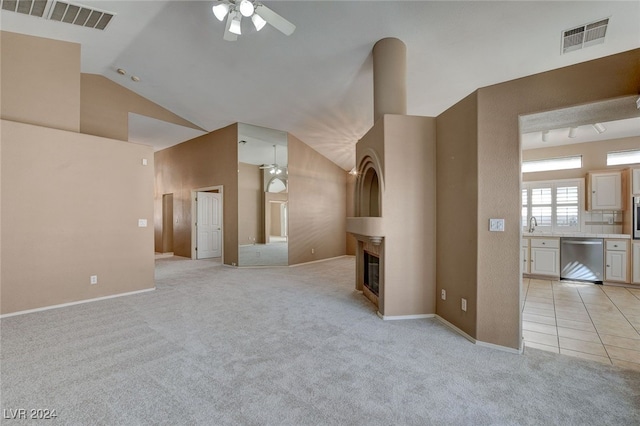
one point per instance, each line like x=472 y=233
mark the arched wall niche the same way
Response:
x=369 y=188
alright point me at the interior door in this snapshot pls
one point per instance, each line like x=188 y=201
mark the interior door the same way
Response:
x=209 y=225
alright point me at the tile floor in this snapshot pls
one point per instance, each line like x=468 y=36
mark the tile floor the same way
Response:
x=596 y=322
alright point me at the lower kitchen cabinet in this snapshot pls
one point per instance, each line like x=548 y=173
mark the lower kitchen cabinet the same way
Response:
x=524 y=256
x=545 y=256
x=616 y=261
x=636 y=263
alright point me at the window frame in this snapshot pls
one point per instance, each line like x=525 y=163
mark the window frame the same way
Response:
x=550 y=162
x=553 y=185
x=618 y=153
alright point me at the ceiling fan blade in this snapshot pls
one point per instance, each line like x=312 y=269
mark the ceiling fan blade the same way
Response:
x=275 y=20
x=228 y=35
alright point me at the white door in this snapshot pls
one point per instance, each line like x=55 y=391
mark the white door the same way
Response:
x=209 y=225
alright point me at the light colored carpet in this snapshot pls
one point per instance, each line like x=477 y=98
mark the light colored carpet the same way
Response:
x=285 y=346
x=274 y=254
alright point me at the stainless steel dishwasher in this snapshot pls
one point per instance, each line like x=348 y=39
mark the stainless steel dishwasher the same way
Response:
x=582 y=259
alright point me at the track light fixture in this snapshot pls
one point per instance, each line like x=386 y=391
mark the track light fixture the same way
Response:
x=599 y=127
x=573 y=132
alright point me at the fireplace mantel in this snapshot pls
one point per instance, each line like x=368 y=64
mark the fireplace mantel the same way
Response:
x=369 y=229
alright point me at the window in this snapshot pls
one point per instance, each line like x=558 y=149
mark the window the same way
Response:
x=563 y=163
x=556 y=205
x=623 y=157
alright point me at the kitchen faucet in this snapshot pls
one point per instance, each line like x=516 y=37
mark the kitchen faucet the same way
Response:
x=532 y=227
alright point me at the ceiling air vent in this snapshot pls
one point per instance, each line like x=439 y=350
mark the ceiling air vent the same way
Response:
x=28 y=7
x=584 y=36
x=80 y=15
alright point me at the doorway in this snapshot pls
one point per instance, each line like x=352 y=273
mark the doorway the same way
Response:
x=207 y=223
x=167 y=223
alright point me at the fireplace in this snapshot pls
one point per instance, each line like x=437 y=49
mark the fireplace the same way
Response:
x=372 y=272
x=394 y=197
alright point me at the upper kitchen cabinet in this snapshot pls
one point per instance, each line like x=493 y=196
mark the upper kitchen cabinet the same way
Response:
x=635 y=181
x=604 y=191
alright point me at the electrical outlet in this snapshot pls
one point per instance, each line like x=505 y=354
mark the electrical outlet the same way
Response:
x=464 y=304
x=313 y=251
x=443 y=294
x=93 y=279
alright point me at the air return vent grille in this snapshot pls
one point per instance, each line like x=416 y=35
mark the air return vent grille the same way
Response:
x=28 y=7
x=61 y=11
x=584 y=36
x=80 y=15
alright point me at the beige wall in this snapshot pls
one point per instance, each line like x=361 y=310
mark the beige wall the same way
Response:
x=66 y=216
x=317 y=205
x=408 y=209
x=351 y=212
x=498 y=150
x=205 y=161
x=250 y=204
x=594 y=157
x=457 y=213
x=106 y=106
x=40 y=81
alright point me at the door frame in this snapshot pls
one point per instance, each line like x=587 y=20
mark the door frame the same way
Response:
x=194 y=217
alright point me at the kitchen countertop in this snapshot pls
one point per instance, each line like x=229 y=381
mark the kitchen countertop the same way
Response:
x=576 y=234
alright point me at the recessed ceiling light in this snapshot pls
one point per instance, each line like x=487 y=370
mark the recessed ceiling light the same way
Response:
x=121 y=71
x=135 y=78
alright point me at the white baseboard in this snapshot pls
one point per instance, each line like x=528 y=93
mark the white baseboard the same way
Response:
x=79 y=302
x=479 y=342
x=456 y=329
x=500 y=348
x=404 y=317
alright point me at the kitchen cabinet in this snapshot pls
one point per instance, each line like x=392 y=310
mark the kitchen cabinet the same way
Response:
x=525 y=255
x=636 y=263
x=545 y=256
x=635 y=181
x=604 y=191
x=616 y=263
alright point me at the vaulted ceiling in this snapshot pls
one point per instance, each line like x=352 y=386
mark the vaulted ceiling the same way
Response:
x=317 y=83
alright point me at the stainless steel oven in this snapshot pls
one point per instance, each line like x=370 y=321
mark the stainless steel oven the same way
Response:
x=636 y=218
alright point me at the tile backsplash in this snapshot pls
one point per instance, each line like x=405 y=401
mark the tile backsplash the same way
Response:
x=603 y=222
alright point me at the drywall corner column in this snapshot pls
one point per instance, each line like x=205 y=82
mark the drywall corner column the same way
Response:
x=389 y=78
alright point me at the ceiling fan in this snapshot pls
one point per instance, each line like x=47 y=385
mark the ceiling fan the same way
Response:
x=260 y=15
x=274 y=168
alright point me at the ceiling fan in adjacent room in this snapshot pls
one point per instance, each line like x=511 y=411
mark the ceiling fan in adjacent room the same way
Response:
x=274 y=169
x=234 y=10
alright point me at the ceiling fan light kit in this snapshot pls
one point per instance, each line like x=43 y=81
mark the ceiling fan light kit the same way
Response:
x=220 y=11
x=234 y=10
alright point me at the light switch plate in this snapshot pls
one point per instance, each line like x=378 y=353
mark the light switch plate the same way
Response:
x=496 y=225
x=142 y=223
